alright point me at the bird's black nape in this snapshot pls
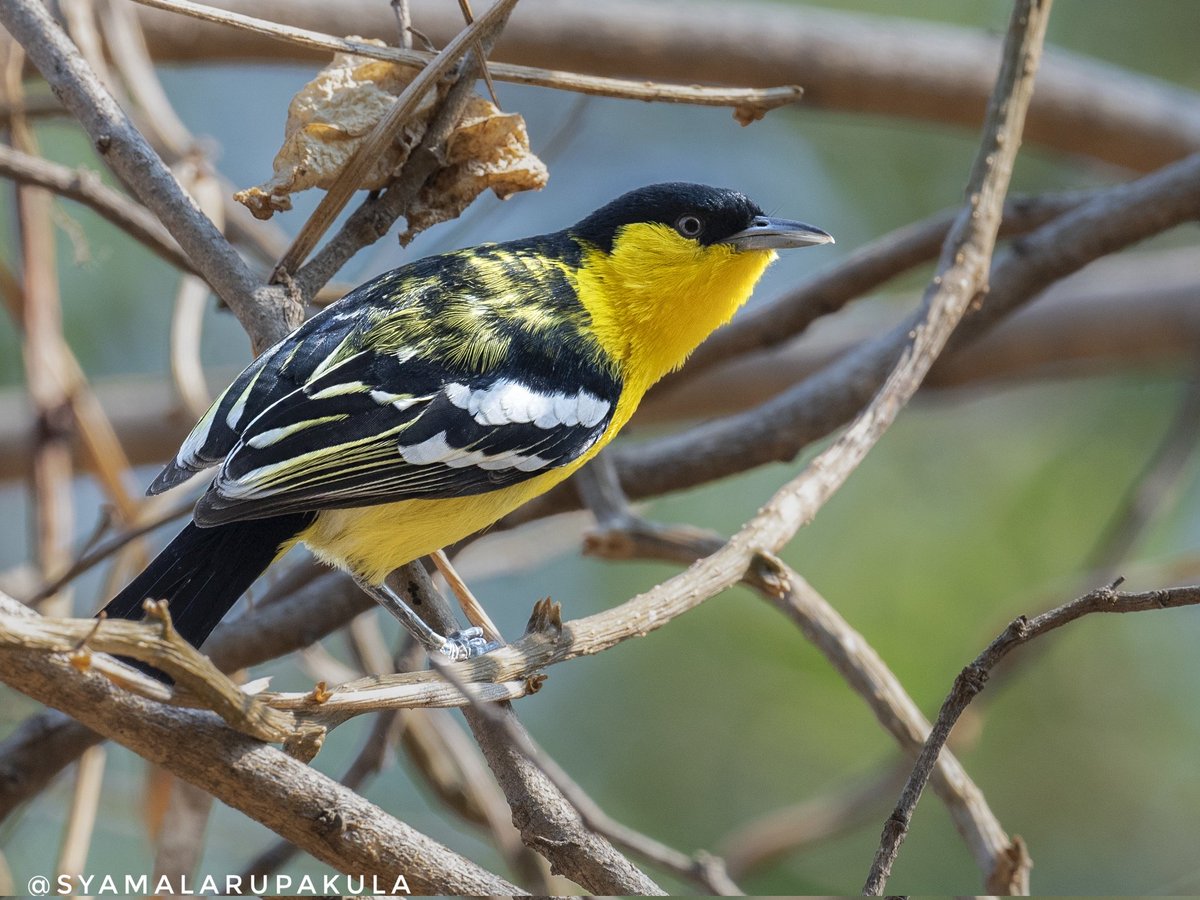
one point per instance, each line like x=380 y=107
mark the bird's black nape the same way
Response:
x=720 y=212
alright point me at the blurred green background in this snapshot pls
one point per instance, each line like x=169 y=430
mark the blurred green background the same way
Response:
x=978 y=505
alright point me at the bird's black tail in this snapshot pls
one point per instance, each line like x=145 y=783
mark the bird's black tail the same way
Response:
x=203 y=571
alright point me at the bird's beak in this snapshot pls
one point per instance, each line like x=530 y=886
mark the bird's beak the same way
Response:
x=767 y=233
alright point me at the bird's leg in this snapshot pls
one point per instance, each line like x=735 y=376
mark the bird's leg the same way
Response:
x=471 y=607
x=465 y=644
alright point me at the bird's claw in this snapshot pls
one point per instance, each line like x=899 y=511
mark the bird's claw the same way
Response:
x=467 y=644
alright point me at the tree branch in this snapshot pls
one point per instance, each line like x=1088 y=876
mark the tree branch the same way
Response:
x=85 y=187
x=702 y=869
x=314 y=812
x=749 y=104
x=266 y=313
x=546 y=819
x=846 y=62
x=843 y=647
x=47 y=742
x=974 y=678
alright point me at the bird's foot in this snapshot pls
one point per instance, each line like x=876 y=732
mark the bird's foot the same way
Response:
x=467 y=644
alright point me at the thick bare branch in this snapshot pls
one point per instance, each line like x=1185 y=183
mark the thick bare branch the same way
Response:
x=314 y=812
x=47 y=742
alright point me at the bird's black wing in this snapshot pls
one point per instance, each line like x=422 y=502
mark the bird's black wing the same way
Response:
x=278 y=371
x=485 y=376
x=377 y=429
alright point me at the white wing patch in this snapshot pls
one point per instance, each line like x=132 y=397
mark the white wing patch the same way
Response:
x=506 y=402
x=437 y=450
x=400 y=401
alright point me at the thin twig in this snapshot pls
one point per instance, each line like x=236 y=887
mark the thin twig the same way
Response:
x=81 y=819
x=267 y=313
x=974 y=678
x=403 y=22
x=748 y=103
x=94 y=557
x=625 y=536
x=975 y=236
x=85 y=187
x=484 y=68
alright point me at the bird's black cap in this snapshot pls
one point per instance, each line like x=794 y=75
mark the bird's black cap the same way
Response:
x=719 y=213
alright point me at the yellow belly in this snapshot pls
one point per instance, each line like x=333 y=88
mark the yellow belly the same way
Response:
x=371 y=541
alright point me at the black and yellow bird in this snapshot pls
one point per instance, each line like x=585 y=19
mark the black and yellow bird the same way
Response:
x=431 y=401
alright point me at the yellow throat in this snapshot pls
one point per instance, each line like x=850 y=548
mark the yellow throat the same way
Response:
x=657 y=295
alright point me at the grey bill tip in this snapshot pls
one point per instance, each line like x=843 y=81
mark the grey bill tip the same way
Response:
x=769 y=233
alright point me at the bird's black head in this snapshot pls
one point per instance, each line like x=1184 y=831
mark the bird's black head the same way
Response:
x=697 y=212
x=663 y=266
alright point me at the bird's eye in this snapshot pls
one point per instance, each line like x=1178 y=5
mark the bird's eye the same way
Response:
x=689 y=226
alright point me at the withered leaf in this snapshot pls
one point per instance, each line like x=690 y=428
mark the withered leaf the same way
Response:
x=332 y=115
